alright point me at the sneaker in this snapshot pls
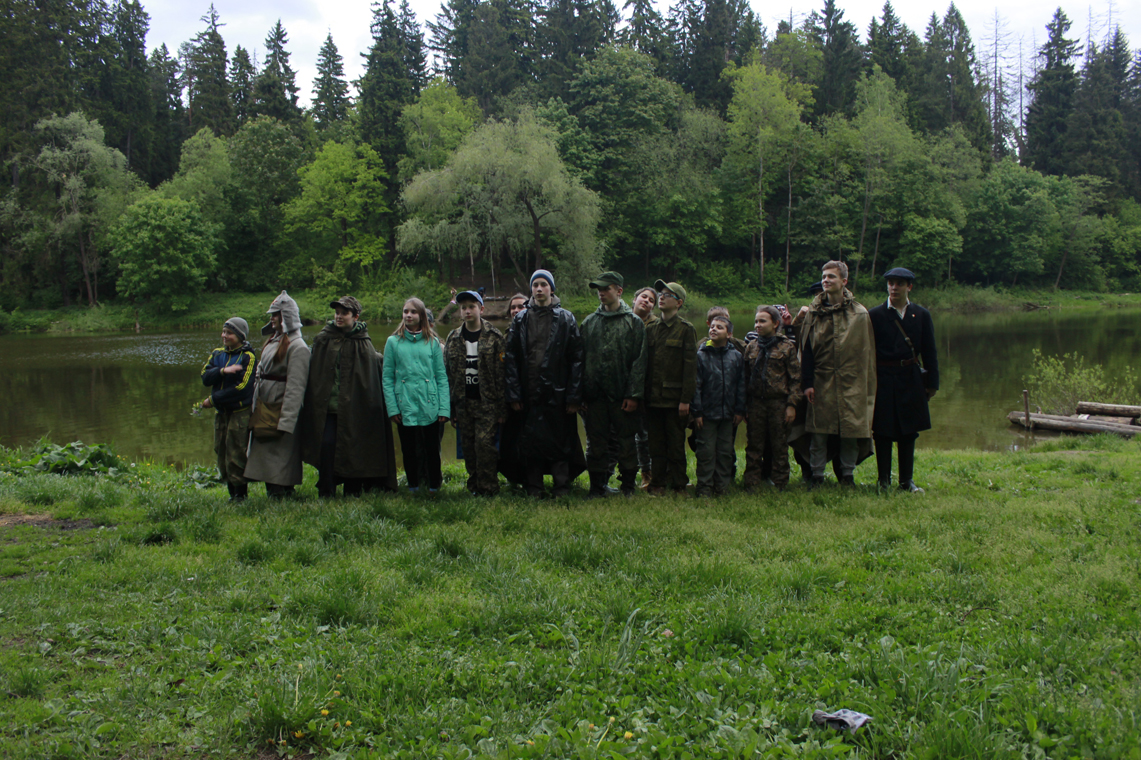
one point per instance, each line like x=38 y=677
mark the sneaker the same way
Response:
x=848 y=480
x=910 y=487
x=413 y=489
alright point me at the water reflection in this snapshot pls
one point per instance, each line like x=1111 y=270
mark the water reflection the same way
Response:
x=136 y=392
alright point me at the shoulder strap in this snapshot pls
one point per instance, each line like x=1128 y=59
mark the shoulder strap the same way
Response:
x=914 y=353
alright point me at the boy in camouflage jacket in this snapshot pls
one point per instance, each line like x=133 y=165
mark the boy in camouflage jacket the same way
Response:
x=773 y=393
x=473 y=358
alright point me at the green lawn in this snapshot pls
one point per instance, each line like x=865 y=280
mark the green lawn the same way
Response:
x=995 y=616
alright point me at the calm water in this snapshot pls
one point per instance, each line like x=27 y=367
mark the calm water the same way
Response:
x=136 y=392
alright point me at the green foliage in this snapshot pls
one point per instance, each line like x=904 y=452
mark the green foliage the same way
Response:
x=165 y=252
x=336 y=219
x=1057 y=384
x=434 y=126
x=74 y=458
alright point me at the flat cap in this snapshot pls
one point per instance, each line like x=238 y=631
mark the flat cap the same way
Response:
x=347 y=302
x=899 y=273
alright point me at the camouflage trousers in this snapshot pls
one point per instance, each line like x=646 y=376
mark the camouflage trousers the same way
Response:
x=231 y=438
x=767 y=432
x=478 y=426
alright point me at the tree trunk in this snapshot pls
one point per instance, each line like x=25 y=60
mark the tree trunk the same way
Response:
x=761 y=212
x=536 y=229
x=788 y=234
x=138 y=329
x=876 y=252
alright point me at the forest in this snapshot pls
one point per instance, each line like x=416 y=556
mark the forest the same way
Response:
x=505 y=135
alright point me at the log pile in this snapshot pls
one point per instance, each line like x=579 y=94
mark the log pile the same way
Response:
x=1091 y=417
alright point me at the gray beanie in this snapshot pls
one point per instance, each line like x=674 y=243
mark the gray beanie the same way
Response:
x=239 y=326
x=550 y=278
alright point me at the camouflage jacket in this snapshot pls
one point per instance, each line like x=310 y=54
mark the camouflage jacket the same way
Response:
x=492 y=380
x=671 y=376
x=614 y=347
x=777 y=378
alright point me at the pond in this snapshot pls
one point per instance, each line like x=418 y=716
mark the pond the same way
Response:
x=136 y=391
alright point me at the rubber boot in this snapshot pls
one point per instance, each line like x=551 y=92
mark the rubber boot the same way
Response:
x=629 y=481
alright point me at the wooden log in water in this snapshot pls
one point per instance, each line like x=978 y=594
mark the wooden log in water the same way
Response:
x=1108 y=410
x=1072 y=424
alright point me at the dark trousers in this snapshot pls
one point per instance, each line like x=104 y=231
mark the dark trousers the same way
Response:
x=327 y=479
x=906 y=447
x=610 y=437
x=666 y=429
x=420 y=446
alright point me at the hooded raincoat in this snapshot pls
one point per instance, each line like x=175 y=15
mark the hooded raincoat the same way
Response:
x=548 y=433
x=281 y=380
x=349 y=363
x=838 y=359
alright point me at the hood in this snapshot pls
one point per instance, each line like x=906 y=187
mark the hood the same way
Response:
x=623 y=308
x=554 y=302
x=290 y=314
x=358 y=328
x=821 y=304
x=707 y=345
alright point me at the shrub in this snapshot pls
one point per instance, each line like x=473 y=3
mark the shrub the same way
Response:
x=1057 y=384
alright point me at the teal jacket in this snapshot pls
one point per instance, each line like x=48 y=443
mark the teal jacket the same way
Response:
x=414 y=379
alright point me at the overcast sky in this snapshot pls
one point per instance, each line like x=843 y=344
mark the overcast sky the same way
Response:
x=308 y=21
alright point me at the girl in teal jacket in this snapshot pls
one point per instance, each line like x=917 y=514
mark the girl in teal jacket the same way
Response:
x=416 y=393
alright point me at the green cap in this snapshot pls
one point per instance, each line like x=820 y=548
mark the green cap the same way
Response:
x=672 y=287
x=606 y=279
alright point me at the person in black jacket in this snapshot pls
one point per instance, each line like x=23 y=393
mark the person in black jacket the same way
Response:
x=908 y=371
x=543 y=367
x=229 y=372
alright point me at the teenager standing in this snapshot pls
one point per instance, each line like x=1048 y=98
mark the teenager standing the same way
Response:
x=416 y=393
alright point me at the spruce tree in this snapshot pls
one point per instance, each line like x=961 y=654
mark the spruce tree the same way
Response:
x=450 y=36
x=204 y=78
x=242 y=75
x=713 y=34
x=569 y=32
x=168 y=119
x=330 y=90
x=131 y=91
x=386 y=87
x=500 y=52
x=842 y=61
x=1052 y=99
x=1095 y=128
x=275 y=89
x=646 y=32
x=415 y=59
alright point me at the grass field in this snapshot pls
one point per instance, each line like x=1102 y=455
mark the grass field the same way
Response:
x=996 y=616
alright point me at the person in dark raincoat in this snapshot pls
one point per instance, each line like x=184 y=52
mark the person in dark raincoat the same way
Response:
x=908 y=369
x=348 y=435
x=543 y=367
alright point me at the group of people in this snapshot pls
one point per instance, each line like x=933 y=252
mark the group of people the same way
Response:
x=829 y=382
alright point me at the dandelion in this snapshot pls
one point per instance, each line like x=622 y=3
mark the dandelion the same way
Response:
x=628 y=735
x=348 y=723
x=298 y=734
x=337 y=724
x=530 y=743
x=324 y=712
x=338 y=676
x=336 y=693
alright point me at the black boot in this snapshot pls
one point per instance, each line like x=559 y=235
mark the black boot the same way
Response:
x=629 y=481
x=598 y=489
x=239 y=491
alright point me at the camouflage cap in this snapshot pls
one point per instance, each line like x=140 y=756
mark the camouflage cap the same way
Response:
x=672 y=287
x=606 y=279
x=347 y=302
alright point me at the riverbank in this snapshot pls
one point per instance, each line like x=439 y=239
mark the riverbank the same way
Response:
x=211 y=310
x=994 y=616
